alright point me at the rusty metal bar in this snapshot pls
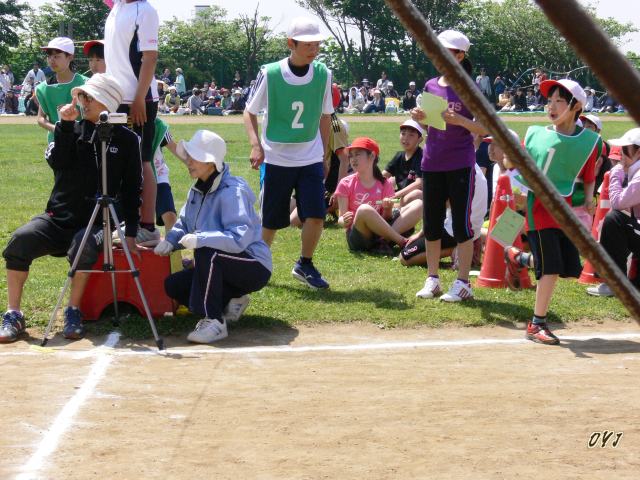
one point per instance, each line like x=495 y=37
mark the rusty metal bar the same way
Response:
x=594 y=47
x=466 y=89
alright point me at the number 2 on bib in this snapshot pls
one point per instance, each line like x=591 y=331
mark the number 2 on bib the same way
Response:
x=299 y=107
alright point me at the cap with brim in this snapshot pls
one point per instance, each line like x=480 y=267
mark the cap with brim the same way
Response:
x=205 y=146
x=104 y=89
x=615 y=153
x=173 y=88
x=365 y=143
x=63 y=44
x=413 y=124
x=305 y=29
x=454 y=40
x=593 y=119
x=573 y=87
x=632 y=137
x=87 y=46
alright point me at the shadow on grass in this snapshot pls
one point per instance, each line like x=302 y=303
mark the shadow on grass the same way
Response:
x=581 y=348
x=507 y=315
x=384 y=299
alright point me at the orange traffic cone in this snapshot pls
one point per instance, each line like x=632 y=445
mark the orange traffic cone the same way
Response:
x=492 y=273
x=604 y=205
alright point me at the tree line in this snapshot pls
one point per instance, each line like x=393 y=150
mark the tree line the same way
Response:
x=509 y=37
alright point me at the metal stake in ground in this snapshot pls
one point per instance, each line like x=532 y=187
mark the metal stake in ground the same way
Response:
x=105 y=202
x=466 y=89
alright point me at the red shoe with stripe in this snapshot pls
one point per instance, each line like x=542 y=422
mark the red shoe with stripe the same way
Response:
x=540 y=333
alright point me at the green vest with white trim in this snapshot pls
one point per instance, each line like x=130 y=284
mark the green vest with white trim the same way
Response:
x=294 y=110
x=560 y=157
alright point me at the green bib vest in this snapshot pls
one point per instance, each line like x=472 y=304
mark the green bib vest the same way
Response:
x=51 y=97
x=160 y=130
x=560 y=157
x=294 y=110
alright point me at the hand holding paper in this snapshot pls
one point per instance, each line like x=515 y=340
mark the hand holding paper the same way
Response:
x=433 y=106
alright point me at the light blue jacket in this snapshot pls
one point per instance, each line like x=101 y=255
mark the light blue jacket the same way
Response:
x=225 y=220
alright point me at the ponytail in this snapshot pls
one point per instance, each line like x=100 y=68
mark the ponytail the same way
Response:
x=467 y=66
x=377 y=174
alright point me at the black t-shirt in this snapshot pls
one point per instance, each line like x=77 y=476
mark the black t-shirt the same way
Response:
x=405 y=171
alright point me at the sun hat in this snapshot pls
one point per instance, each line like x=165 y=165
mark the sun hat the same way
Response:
x=413 y=124
x=573 y=87
x=365 y=143
x=631 y=137
x=104 y=89
x=63 y=44
x=455 y=40
x=593 y=119
x=87 y=45
x=305 y=29
x=205 y=146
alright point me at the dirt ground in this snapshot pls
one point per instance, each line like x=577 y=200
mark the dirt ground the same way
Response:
x=335 y=401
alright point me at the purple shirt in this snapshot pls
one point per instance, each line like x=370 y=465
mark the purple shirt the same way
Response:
x=449 y=149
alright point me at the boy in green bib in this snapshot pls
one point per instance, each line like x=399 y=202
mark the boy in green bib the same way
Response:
x=60 y=52
x=295 y=94
x=565 y=153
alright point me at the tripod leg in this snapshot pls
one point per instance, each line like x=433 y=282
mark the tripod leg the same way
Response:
x=109 y=262
x=72 y=272
x=136 y=278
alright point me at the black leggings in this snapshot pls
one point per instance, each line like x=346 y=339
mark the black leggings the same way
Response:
x=457 y=187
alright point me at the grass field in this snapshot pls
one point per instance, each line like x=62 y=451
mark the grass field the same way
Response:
x=363 y=287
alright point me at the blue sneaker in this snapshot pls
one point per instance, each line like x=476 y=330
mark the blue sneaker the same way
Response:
x=13 y=326
x=309 y=275
x=73 y=328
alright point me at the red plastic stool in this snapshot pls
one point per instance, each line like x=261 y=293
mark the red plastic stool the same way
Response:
x=153 y=270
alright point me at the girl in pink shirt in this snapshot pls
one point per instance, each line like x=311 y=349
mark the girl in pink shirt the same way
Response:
x=365 y=200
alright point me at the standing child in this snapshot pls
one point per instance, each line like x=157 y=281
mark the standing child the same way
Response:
x=60 y=53
x=365 y=200
x=94 y=51
x=448 y=175
x=564 y=152
x=165 y=207
x=295 y=94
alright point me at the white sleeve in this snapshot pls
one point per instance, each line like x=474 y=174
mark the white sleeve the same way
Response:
x=258 y=97
x=327 y=103
x=149 y=24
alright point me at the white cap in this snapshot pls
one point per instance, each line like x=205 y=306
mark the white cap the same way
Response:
x=455 y=40
x=593 y=119
x=632 y=137
x=104 y=89
x=579 y=123
x=412 y=83
x=63 y=44
x=205 y=146
x=413 y=124
x=305 y=29
x=573 y=87
x=389 y=83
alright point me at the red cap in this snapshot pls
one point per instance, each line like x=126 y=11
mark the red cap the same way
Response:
x=615 y=153
x=89 y=44
x=335 y=92
x=366 y=143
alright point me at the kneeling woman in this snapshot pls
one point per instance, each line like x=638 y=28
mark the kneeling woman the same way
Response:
x=219 y=223
x=365 y=201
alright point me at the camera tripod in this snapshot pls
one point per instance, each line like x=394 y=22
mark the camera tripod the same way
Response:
x=105 y=203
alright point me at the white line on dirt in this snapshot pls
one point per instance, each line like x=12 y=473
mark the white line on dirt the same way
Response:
x=324 y=348
x=64 y=420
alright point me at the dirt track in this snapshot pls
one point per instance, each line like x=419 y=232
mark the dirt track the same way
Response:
x=496 y=411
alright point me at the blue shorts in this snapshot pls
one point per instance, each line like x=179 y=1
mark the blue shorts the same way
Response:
x=281 y=182
x=164 y=202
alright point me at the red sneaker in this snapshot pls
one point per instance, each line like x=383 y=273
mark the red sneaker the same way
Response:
x=512 y=275
x=540 y=333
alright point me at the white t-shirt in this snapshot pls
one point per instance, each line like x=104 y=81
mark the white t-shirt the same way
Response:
x=478 y=206
x=119 y=33
x=288 y=154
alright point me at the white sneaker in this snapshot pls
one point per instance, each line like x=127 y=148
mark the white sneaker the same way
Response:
x=145 y=238
x=208 y=330
x=600 y=290
x=235 y=308
x=431 y=288
x=458 y=292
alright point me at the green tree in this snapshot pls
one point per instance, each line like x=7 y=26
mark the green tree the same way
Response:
x=11 y=13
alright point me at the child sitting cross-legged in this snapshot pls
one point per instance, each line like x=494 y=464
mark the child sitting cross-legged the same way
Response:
x=365 y=202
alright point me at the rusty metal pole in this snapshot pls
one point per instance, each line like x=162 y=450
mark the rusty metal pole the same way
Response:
x=466 y=89
x=594 y=47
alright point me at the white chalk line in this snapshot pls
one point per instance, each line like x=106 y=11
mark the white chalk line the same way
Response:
x=359 y=347
x=64 y=420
